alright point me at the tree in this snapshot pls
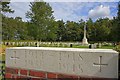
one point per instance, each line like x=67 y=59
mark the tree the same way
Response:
x=90 y=30
x=41 y=21
x=6 y=8
x=118 y=23
x=115 y=30
x=69 y=31
x=102 y=29
x=118 y=14
x=15 y=31
x=61 y=30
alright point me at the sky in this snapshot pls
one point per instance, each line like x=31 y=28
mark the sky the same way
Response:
x=73 y=11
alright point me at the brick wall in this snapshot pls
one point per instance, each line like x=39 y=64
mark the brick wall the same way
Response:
x=18 y=74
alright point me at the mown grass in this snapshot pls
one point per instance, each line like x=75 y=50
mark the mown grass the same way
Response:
x=102 y=47
x=107 y=47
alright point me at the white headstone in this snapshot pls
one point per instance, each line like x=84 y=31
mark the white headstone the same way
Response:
x=13 y=43
x=17 y=43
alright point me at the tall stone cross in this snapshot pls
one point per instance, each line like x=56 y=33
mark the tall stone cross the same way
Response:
x=85 y=31
x=100 y=64
x=84 y=41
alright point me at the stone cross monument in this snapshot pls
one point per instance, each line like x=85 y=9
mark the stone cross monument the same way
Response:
x=84 y=41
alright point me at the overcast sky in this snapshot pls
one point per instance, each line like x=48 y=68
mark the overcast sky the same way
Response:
x=72 y=11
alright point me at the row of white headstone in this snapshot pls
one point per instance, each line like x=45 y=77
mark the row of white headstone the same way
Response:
x=37 y=44
x=52 y=44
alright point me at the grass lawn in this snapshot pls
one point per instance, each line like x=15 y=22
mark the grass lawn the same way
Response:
x=71 y=47
x=80 y=46
x=107 y=47
x=102 y=47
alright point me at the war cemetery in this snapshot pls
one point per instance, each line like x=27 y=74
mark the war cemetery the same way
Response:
x=54 y=42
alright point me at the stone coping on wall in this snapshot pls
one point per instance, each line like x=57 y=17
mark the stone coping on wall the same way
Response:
x=66 y=49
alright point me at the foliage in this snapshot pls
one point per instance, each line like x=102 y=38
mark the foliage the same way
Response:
x=42 y=24
x=118 y=23
x=6 y=8
x=2 y=49
x=102 y=29
x=118 y=48
x=15 y=31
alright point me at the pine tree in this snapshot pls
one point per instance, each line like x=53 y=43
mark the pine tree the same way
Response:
x=41 y=21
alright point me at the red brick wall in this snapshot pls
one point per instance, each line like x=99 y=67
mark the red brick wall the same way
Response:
x=18 y=74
